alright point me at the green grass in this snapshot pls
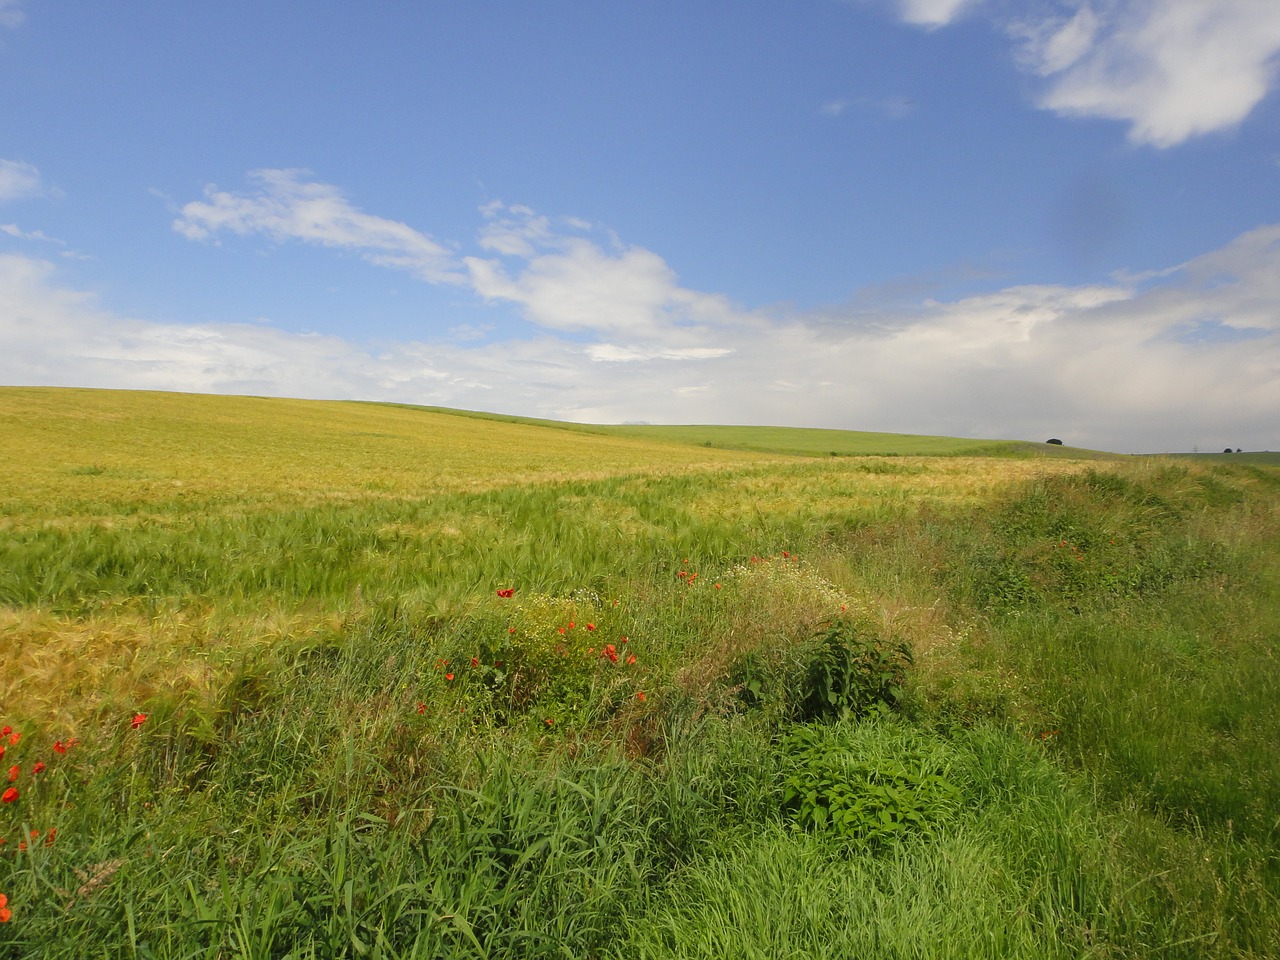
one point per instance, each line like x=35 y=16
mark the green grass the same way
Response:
x=352 y=746
x=1264 y=457
x=793 y=441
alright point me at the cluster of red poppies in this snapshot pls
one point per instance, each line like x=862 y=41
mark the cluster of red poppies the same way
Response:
x=12 y=738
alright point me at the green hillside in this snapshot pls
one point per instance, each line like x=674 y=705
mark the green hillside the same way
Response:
x=792 y=441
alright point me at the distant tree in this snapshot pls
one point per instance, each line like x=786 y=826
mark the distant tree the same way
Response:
x=1228 y=450
x=1055 y=440
x=1238 y=450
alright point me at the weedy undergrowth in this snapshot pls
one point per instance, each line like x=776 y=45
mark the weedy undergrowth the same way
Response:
x=841 y=782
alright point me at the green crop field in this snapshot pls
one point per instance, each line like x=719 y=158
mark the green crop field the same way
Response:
x=317 y=679
x=796 y=441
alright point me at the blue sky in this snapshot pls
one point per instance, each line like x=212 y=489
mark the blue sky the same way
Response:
x=967 y=217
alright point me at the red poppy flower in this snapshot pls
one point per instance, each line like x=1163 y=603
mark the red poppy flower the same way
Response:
x=572 y=624
x=591 y=626
x=507 y=593
x=59 y=747
x=39 y=767
x=717 y=586
x=422 y=707
x=448 y=676
x=138 y=720
x=1 y=750
x=49 y=837
x=626 y=639
x=631 y=660
x=640 y=695
x=785 y=555
x=475 y=661
x=14 y=771
x=5 y=912
x=9 y=795
x=14 y=738
x=6 y=731
x=611 y=652
x=549 y=722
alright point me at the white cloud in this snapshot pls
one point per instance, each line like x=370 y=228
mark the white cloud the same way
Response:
x=568 y=283
x=287 y=205
x=1051 y=45
x=11 y=13
x=580 y=287
x=561 y=279
x=614 y=353
x=1171 y=69
x=19 y=180
x=13 y=230
x=932 y=13
x=1182 y=357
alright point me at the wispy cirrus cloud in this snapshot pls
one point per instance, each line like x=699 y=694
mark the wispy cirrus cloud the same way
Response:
x=290 y=205
x=11 y=14
x=932 y=13
x=1171 y=69
x=13 y=230
x=19 y=180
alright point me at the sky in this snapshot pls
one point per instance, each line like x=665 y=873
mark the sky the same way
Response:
x=1013 y=219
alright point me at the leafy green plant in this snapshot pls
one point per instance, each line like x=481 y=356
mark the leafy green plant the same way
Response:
x=830 y=788
x=851 y=674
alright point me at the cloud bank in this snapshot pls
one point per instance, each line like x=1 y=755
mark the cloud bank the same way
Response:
x=1188 y=356
x=1171 y=69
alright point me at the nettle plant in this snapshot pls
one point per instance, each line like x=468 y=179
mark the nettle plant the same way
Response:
x=835 y=786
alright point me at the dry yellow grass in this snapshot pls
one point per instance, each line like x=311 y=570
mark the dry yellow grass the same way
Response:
x=66 y=671
x=874 y=486
x=67 y=447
